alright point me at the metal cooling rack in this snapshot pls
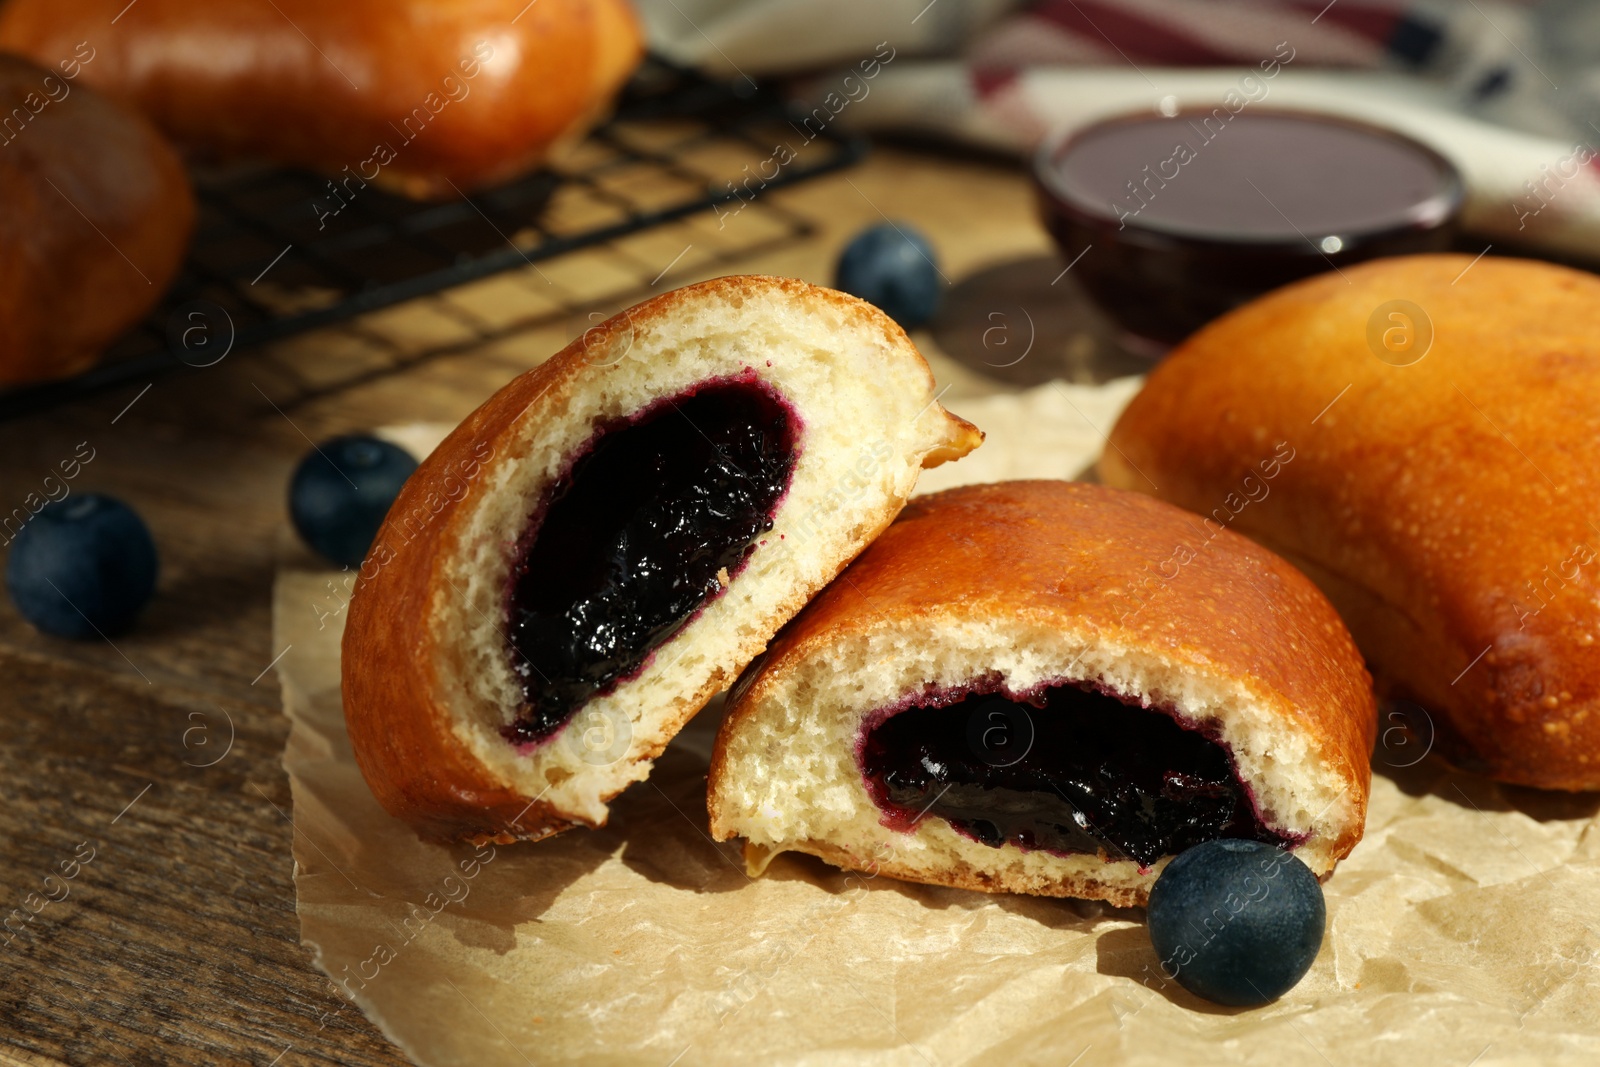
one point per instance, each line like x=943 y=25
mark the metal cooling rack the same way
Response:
x=265 y=265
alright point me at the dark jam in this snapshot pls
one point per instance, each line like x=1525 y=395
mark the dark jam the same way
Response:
x=1071 y=771
x=641 y=532
x=1193 y=215
x=1255 y=176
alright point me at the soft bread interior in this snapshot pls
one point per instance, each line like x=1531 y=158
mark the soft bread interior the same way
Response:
x=865 y=399
x=788 y=777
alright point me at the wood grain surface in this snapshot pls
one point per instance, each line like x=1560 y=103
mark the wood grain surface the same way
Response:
x=177 y=942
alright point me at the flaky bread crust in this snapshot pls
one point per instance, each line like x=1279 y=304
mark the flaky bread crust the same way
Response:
x=399 y=724
x=1449 y=508
x=1072 y=556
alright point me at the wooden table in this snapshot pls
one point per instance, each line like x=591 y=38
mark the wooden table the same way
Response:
x=178 y=940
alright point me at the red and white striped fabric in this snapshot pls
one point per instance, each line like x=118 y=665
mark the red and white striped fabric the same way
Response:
x=1477 y=81
x=1184 y=33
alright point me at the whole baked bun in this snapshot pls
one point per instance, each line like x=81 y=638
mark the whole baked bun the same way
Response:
x=1052 y=688
x=1444 y=488
x=427 y=98
x=603 y=545
x=98 y=215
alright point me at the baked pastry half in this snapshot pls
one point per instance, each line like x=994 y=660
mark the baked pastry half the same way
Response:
x=1050 y=688
x=1441 y=483
x=608 y=541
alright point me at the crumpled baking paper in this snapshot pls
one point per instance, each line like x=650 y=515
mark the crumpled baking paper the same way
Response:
x=1461 y=932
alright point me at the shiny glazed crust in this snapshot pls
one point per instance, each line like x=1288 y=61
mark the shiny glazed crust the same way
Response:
x=1449 y=508
x=399 y=723
x=326 y=84
x=1079 y=560
x=80 y=164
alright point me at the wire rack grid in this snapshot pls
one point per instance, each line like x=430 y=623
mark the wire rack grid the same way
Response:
x=278 y=252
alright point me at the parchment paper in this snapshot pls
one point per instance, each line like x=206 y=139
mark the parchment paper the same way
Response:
x=1462 y=930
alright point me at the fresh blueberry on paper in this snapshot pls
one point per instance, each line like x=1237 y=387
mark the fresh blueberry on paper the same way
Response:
x=1236 y=922
x=83 y=567
x=893 y=267
x=341 y=492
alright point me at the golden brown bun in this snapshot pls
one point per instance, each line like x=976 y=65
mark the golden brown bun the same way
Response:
x=487 y=86
x=97 y=218
x=1043 y=582
x=1448 y=507
x=424 y=644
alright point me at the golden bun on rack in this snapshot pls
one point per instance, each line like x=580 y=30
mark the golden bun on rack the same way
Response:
x=428 y=98
x=97 y=218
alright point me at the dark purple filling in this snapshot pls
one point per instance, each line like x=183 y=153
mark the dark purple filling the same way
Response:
x=630 y=542
x=1065 y=769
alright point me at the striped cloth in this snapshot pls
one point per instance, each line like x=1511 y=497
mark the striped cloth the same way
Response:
x=1509 y=91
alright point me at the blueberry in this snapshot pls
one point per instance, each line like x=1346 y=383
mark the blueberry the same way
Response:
x=83 y=567
x=342 y=490
x=1236 y=922
x=892 y=266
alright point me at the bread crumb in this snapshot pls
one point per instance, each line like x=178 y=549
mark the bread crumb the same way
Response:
x=722 y=576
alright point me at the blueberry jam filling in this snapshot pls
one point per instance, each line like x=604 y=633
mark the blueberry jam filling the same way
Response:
x=644 y=529
x=1065 y=769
